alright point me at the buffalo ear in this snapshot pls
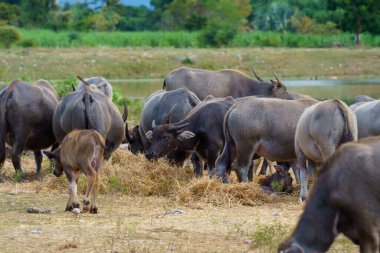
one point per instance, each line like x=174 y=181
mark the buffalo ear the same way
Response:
x=185 y=135
x=50 y=155
x=149 y=135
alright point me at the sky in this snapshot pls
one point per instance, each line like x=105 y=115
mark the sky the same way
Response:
x=126 y=2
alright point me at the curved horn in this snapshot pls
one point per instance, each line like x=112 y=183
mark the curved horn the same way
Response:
x=278 y=79
x=83 y=81
x=169 y=120
x=175 y=128
x=257 y=77
x=125 y=113
x=154 y=124
x=73 y=87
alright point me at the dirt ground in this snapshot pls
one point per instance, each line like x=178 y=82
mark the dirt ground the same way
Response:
x=133 y=223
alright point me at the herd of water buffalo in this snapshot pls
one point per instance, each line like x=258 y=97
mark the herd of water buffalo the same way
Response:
x=223 y=120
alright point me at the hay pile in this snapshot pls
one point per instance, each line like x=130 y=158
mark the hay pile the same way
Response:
x=212 y=191
x=129 y=174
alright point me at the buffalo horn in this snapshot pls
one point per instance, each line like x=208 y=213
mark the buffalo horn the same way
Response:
x=257 y=77
x=278 y=79
x=175 y=128
x=169 y=121
x=73 y=87
x=83 y=81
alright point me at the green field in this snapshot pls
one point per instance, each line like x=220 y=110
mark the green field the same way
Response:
x=182 y=39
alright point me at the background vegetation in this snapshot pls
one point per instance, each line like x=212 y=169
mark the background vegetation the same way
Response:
x=192 y=23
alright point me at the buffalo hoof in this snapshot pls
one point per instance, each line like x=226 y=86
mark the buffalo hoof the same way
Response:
x=72 y=206
x=94 y=209
x=301 y=200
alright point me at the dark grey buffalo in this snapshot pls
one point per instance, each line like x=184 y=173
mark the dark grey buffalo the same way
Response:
x=344 y=199
x=162 y=107
x=201 y=131
x=89 y=108
x=223 y=83
x=26 y=113
x=262 y=126
x=367 y=114
x=361 y=99
x=100 y=82
x=321 y=129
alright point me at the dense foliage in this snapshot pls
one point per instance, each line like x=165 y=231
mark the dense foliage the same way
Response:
x=216 y=21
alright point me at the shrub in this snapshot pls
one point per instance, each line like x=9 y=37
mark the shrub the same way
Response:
x=8 y=36
x=26 y=43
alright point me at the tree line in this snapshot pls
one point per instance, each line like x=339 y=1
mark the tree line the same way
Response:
x=218 y=21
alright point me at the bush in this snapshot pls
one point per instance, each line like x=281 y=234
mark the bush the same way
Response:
x=8 y=36
x=217 y=34
x=26 y=43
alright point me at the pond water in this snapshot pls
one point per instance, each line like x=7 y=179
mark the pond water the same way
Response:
x=342 y=89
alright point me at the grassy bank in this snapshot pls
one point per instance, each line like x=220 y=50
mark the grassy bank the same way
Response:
x=49 y=38
x=125 y=63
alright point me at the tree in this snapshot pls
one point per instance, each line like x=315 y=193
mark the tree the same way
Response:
x=223 y=22
x=9 y=14
x=35 y=13
x=357 y=15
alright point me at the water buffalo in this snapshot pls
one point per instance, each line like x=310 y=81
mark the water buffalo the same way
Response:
x=80 y=151
x=89 y=108
x=100 y=82
x=26 y=113
x=223 y=83
x=265 y=126
x=162 y=107
x=363 y=98
x=201 y=131
x=367 y=117
x=344 y=199
x=321 y=129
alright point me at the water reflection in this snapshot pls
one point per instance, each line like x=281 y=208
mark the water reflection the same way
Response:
x=342 y=89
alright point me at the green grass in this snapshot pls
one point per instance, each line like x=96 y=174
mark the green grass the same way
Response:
x=183 y=39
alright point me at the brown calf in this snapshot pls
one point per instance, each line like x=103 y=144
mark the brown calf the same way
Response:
x=80 y=151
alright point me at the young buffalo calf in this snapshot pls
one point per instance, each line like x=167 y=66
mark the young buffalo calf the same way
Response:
x=80 y=151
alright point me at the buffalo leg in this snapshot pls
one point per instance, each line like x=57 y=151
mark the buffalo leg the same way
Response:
x=303 y=175
x=38 y=160
x=197 y=164
x=296 y=171
x=73 y=202
x=244 y=160
x=251 y=172
x=91 y=180
x=224 y=161
x=17 y=149
x=212 y=155
x=94 y=206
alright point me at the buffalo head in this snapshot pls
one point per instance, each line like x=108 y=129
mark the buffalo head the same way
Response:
x=135 y=144
x=279 y=89
x=55 y=157
x=165 y=138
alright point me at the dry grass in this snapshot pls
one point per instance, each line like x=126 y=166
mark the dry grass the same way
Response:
x=136 y=196
x=128 y=174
